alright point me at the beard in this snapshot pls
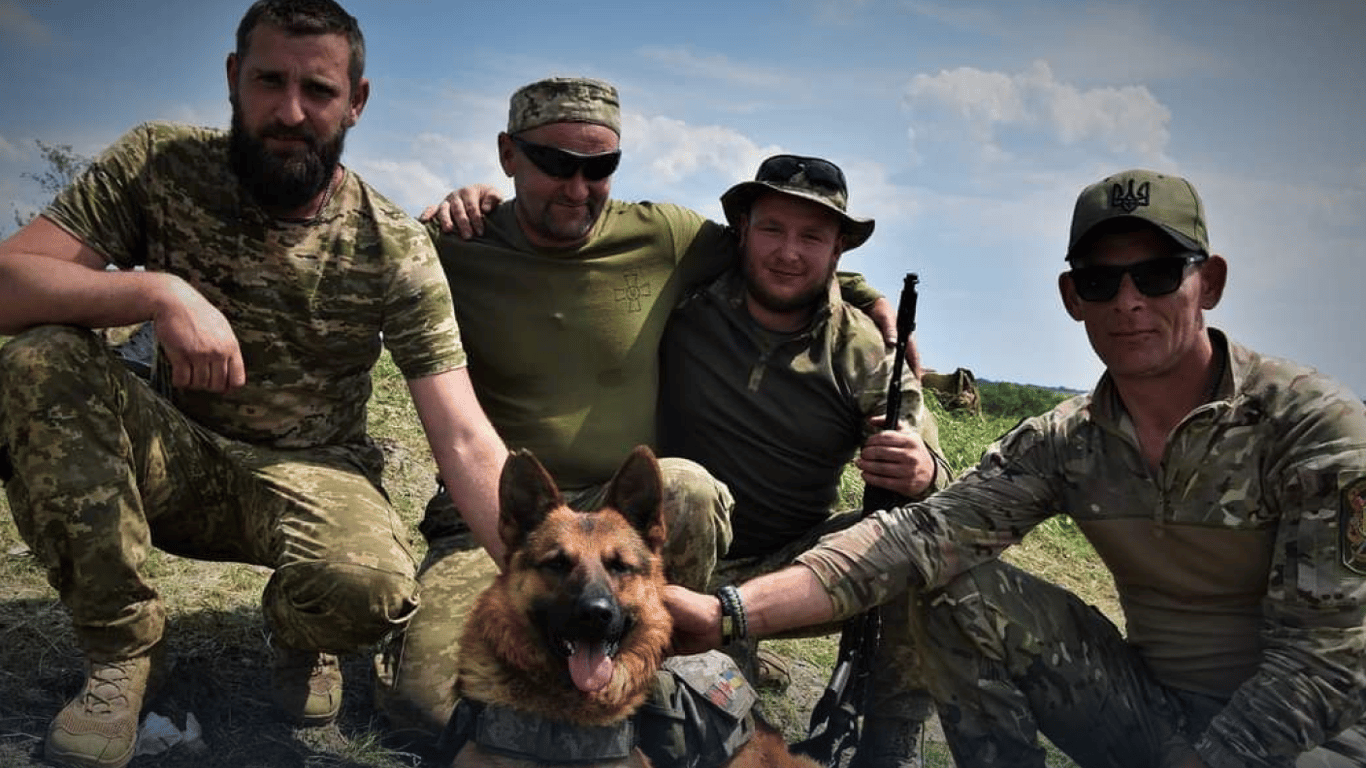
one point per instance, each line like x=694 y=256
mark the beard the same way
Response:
x=282 y=182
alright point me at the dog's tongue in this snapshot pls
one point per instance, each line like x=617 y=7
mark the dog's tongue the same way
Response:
x=590 y=667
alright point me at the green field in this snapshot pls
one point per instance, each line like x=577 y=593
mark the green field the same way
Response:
x=215 y=631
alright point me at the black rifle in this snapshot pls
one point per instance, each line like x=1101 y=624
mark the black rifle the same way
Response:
x=834 y=727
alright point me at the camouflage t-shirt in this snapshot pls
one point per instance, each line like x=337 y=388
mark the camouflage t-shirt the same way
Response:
x=309 y=301
x=1240 y=562
x=776 y=416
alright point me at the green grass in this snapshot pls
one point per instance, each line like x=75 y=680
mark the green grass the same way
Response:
x=216 y=638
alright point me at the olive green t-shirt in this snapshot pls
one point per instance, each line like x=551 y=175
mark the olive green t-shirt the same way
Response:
x=563 y=344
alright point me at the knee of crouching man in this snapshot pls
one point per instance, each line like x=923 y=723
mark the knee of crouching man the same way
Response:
x=336 y=606
x=48 y=346
x=32 y=357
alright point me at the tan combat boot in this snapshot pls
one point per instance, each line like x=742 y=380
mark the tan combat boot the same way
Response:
x=308 y=684
x=772 y=670
x=99 y=728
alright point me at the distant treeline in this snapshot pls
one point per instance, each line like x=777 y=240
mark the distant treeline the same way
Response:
x=1017 y=401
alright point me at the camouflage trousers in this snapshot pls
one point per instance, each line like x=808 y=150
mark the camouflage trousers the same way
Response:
x=103 y=469
x=896 y=691
x=415 y=673
x=1010 y=656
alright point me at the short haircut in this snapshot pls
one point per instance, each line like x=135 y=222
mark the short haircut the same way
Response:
x=306 y=17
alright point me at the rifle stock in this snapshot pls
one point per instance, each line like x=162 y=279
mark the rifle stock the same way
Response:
x=834 y=726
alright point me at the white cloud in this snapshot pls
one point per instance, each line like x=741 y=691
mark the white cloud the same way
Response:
x=673 y=150
x=465 y=157
x=872 y=194
x=691 y=64
x=17 y=23
x=417 y=171
x=1126 y=119
x=409 y=183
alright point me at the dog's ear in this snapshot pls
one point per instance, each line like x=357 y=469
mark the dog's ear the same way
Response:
x=526 y=494
x=637 y=492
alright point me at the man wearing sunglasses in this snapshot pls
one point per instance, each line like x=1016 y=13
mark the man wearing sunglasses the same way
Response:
x=1225 y=490
x=773 y=383
x=562 y=299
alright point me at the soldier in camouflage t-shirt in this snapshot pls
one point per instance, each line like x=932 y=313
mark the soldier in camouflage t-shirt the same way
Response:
x=1225 y=491
x=274 y=276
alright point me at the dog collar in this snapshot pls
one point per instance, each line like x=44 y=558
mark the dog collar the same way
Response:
x=511 y=733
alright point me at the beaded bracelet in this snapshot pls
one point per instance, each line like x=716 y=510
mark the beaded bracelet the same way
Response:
x=734 y=626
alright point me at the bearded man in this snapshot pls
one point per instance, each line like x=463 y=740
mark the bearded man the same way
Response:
x=274 y=275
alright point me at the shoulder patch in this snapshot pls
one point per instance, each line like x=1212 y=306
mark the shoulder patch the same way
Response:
x=1352 y=526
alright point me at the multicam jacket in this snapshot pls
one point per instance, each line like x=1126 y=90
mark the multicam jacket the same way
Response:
x=309 y=301
x=1240 y=562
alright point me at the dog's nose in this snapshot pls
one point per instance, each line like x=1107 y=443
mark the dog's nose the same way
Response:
x=596 y=611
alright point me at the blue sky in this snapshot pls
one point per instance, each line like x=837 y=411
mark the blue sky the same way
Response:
x=966 y=130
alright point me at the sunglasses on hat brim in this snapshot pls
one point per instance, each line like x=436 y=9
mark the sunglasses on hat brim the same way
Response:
x=783 y=169
x=1153 y=277
x=563 y=164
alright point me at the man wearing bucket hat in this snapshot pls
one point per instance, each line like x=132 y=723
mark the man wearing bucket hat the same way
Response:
x=773 y=383
x=1224 y=489
x=565 y=293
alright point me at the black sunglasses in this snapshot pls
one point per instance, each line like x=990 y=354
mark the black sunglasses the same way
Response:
x=563 y=164
x=782 y=169
x=1154 y=277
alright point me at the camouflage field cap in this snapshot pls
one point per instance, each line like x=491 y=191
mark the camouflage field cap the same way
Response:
x=810 y=178
x=564 y=100
x=1170 y=202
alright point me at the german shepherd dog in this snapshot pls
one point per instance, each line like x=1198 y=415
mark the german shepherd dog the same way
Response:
x=574 y=628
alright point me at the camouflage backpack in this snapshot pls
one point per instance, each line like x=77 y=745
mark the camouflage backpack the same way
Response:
x=956 y=391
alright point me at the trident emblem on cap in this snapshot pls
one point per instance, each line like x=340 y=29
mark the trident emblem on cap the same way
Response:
x=1128 y=199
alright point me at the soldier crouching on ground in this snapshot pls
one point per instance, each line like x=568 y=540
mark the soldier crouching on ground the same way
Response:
x=273 y=274
x=1224 y=489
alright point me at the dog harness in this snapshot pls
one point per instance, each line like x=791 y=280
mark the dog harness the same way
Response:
x=698 y=713
x=526 y=736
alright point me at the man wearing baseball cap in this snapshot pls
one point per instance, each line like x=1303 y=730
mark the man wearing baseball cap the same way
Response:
x=1224 y=489
x=773 y=383
x=566 y=293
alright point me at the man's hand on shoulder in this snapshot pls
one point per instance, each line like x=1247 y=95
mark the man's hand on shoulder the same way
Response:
x=896 y=460
x=883 y=314
x=464 y=209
